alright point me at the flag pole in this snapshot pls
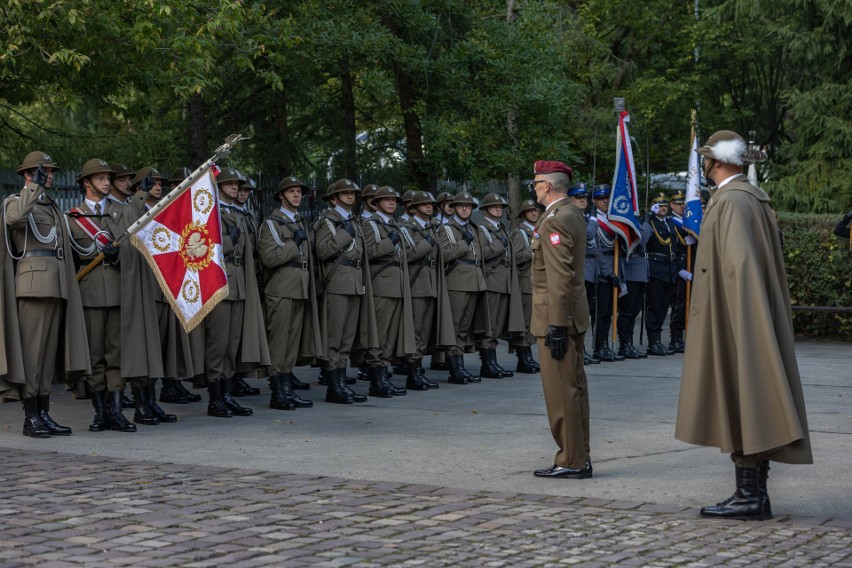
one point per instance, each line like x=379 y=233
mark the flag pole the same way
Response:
x=220 y=152
x=618 y=107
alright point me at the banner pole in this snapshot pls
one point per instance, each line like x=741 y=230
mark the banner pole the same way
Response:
x=220 y=152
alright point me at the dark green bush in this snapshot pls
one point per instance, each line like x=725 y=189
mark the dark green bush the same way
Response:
x=819 y=271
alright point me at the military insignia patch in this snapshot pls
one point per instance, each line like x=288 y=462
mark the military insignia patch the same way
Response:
x=554 y=239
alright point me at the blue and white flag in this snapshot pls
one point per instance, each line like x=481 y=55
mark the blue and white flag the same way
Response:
x=693 y=213
x=624 y=201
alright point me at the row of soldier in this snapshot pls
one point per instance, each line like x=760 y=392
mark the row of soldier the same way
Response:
x=367 y=289
x=651 y=281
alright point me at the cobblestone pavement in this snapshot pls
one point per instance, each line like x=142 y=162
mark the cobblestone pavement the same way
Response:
x=69 y=510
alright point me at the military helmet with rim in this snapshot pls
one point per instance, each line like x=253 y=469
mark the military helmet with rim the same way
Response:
x=92 y=167
x=423 y=198
x=340 y=186
x=386 y=191
x=493 y=199
x=145 y=172
x=35 y=159
x=464 y=198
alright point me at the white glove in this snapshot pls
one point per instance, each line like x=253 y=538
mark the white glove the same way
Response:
x=654 y=208
x=686 y=275
x=622 y=289
x=690 y=240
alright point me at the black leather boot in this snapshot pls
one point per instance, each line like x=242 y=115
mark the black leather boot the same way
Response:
x=54 y=428
x=170 y=394
x=324 y=378
x=677 y=345
x=286 y=382
x=98 y=423
x=626 y=348
x=487 y=370
x=441 y=364
x=386 y=379
x=412 y=379
x=297 y=384
x=748 y=503
x=344 y=386
x=115 y=420
x=604 y=353
x=589 y=359
x=762 y=478
x=143 y=414
x=277 y=401
x=151 y=398
x=421 y=372
x=471 y=378
x=242 y=388
x=655 y=346
x=526 y=363
x=363 y=375
x=379 y=386
x=227 y=385
x=492 y=355
x=456 y=377
x=216 y=406
x=400 y=369
x=189 y=396
x=33 y=426
x=335 y=393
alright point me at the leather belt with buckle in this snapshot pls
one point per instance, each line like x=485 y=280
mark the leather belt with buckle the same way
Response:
x=56 y=253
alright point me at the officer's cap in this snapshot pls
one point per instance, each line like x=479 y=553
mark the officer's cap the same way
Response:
x=678 y=197
x=661 y=199
x=578 y=190
x=601 y=191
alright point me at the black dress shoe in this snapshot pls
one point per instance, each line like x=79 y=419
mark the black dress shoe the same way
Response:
x=560 y=472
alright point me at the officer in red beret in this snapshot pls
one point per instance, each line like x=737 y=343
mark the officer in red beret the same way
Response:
x=560 y=318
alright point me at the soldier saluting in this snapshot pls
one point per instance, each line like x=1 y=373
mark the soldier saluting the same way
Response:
x=49 y=308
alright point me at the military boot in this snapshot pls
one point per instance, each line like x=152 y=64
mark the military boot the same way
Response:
x=421 y=372
x=242 y=388
x=603 y=352
x=749 y=502
x=589 y=359
x=170 y=394
x=33 y=426
x=334 y=392
x=189 y=396
x=150 y=392
x=344 y=385
x=216 y=405
x=412 y=379
x=43 y=407
x=626 y=348
x=492 y=354
x=363 y=375
x=456 y=377
x=487 y=369
x=386 y=379
x=324 y=379
x=297 y=384
x=286 y=383
x=379 y=386
x=677 y=345
x=276 y=399
x=98 y=423
x=526 y=363
x=114 y=419
x=143 y=413
x=126 y=402
x=439 y=361
x=471 y=378
x=655 y=346
x=227 y=385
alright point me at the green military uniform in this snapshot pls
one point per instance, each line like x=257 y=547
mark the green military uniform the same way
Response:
x=522 y=238
x=48 y=301
x=292 y=315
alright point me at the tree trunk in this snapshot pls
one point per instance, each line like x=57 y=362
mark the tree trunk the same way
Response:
x=198 y=151
x=282 y=135
x=414 y=156
x=350 y=157
x=513 y=181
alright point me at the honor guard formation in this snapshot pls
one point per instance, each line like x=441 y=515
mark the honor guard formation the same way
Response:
x=379 y=281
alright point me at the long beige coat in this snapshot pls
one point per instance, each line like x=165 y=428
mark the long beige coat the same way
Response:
x=740 y=390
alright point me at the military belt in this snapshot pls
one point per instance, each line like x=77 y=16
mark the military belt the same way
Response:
x=425 y=262
x=57 y=253
x=476 y=262
x=347 y=262
x=607 y=252
x=660 y=257
x=302 y=264
x=235 y=260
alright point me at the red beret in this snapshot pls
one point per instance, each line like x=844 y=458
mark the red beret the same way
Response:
x=551 y=167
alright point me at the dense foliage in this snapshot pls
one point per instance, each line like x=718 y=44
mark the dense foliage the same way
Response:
x=416 y=91
x=818 y=271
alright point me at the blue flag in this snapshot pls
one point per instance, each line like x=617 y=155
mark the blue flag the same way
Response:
x=693 y=214
x=624 y=201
